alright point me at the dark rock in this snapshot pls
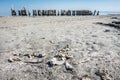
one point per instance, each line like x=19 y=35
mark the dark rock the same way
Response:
x=114 y=18
x=68 y=66
x=116 y=22
x=113 y=24
x=50 y=64
x=103 y=74
x=99 y=23
x=107 y=30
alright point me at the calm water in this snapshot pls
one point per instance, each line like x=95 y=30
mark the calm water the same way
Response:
x=109 y=12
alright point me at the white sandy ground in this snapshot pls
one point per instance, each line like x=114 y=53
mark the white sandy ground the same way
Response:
x=93 y=48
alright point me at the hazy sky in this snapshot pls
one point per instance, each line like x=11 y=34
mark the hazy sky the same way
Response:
x=101 y=5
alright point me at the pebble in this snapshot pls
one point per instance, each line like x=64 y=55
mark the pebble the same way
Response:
x=10 y=60
x=68 y=66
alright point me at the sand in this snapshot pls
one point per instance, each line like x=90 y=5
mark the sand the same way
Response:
x=95 y=48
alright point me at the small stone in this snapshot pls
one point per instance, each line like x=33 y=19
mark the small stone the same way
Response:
x=43 y=54
x=107 y=30
x=114 y=18
x=14 y=54
x=42 y=38
x=13 y=78
x=68 y=66
x=39 y=55
x=51 y=42
x=10 y=60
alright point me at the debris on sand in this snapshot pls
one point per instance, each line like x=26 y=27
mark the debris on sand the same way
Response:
x=61 y=57
x=14 y=59
x=60 y=48
x=10 y=60
x=64 y=52
x=115 y=24
x=68 y=66
x=107 y=30
x=86 y=77
x=55 y=62
x=103 y=74
x=114 y=18
x=68 y=56
x=39 y=55
x=29 y=56
x=34 y=61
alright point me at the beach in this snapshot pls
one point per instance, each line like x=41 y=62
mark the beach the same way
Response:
x=60 y=48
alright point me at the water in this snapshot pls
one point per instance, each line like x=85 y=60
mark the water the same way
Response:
x=109 y=12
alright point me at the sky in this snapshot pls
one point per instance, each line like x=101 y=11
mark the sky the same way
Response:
x=101 y=5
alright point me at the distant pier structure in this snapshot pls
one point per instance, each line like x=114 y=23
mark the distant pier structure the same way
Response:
x=25 y=12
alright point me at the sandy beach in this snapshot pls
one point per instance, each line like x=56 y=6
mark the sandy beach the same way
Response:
x=60 y=48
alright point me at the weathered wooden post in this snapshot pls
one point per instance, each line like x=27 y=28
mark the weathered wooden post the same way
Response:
x=68 y=13
x=19 y=13
x=29 y=14
x=23 y=12
x=34 y=13
x=77 y=12
x=90 y=13
x=98 y=13
x=13 y=12
x=47 y=12
x=73 y=13
x=43 y=12
x=61 y=12
x=58 y=14
x=39 y=13
x=54 y=12
x=94 y=13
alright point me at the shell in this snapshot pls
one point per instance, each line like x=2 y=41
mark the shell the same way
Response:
x=14 y=59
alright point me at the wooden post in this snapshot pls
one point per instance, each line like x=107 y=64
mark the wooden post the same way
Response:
x=13 y=12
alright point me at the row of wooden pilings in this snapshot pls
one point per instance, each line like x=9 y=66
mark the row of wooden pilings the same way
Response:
x=25 y=12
